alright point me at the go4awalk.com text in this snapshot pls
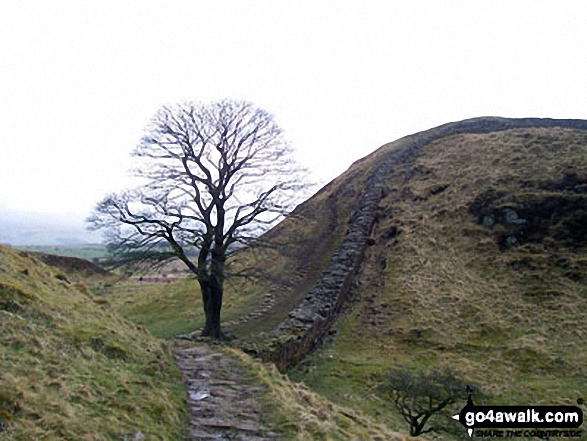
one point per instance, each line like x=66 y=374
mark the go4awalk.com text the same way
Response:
x=543 y=422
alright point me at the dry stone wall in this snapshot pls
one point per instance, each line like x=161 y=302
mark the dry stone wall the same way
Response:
x=305 y=326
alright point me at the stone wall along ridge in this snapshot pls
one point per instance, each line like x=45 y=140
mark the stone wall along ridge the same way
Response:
x=305 y=326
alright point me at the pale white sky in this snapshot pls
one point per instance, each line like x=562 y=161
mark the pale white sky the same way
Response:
x=79 y=79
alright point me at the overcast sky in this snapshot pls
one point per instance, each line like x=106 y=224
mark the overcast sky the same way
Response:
x=80 y=79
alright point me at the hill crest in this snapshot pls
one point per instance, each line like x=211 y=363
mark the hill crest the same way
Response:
x=309 y=322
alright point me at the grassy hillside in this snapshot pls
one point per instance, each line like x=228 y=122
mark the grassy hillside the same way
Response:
x=479 y=264
x=71 y=368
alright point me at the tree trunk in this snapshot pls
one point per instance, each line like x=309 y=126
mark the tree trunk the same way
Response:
x=212 y=297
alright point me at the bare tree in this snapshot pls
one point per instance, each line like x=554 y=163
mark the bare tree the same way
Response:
x=215 y=177
x=418 y=396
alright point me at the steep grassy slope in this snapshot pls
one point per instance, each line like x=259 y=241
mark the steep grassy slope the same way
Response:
x=296 y=251
x=70 y=368
x=479 y=263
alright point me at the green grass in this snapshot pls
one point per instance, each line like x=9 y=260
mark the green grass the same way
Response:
x=71 y=368
x=168 y=309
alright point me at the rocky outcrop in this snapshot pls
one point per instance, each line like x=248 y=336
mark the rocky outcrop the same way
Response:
x=305 y=326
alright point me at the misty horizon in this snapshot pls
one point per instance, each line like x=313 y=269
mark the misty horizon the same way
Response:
x=20 y=228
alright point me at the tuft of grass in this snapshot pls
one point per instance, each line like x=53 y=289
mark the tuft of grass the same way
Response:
x=298 y=413
x=71 y=368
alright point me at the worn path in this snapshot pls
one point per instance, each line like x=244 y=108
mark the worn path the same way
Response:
x=224 y=403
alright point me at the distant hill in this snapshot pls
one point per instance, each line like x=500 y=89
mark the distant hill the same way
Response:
x=79 y=270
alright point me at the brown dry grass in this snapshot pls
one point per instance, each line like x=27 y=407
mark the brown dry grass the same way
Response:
x=443 y=293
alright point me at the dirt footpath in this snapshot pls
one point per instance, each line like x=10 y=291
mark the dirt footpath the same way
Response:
x=224 y=403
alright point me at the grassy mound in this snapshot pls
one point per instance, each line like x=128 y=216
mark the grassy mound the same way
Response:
x=479 y=264
x=75 y=269
x=71 y=368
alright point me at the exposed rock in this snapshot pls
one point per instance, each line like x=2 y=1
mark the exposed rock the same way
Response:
x=138 y=436
x=511 y=241
x=488 y=221
x=510 y=217
x=532 y=217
